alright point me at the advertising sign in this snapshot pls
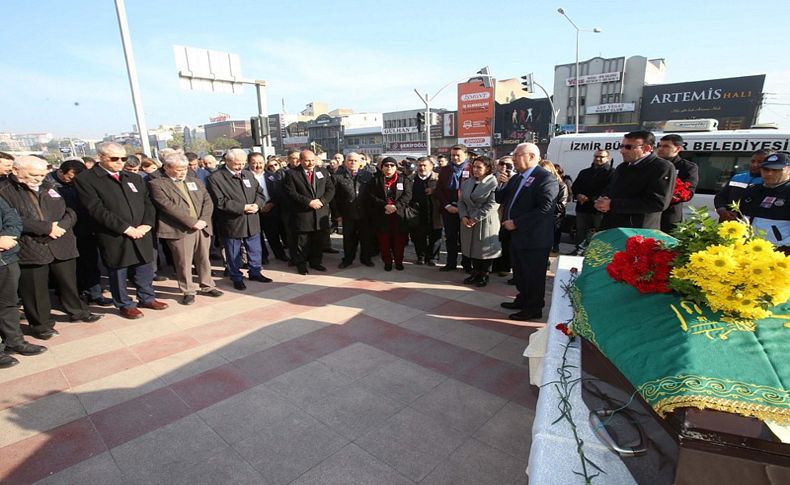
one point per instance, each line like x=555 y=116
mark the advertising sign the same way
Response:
x=610 y=108
x=399 y=130
x=408 y=146
x=517 y=120
x=734 y=102
x=475 y=114
x=603 y=77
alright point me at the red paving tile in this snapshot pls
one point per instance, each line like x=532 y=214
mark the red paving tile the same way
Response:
x=414 y=298
x=126 y=421
x=270 y=363
x=212 y=386
x=32 y=387
x=99 y=366
x=495 y=376
x=39 y=456
x=445 y=358
x=319 y=343
x=69 y=332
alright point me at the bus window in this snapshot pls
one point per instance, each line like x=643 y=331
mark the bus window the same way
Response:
x=716 y=169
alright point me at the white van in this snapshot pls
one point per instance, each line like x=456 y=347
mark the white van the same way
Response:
x=719 y=155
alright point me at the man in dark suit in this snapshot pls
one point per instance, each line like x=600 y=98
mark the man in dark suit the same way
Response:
x=451 y=177
x=641 y=188
x=528 y=200
x=184 y=224
x=351 y=189
x=269 y=213
x=123 y=216
x=237 y=199
x=310 y=190
x=427 y=232
x=669 y=148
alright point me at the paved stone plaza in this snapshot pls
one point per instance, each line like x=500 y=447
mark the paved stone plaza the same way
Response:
x=354 y=376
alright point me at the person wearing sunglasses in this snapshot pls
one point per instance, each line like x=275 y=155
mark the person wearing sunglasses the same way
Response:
x=641 y=187
x=123 y=216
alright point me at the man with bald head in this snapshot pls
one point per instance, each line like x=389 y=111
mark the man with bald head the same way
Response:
x=351 y=192
x=310 y=189
x=528 y=199
x=123 y=216
x=238 y=198
x=48 y=248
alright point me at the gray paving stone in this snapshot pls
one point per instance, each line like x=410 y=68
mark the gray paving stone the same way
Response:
x=352 y=466
x=464 y=407
x=353 y=410
x=101 y=469
x=479 y=464
x=237 y=417
x=291 y=328
x=412 y=443
x=185 y=441
x=223 y=466
x=401 y=380
x=430 y=325
x=510 y=350
x=473 y=338
x=247 y=344
x=510 y=430
x=309 y=383
x=285 y=450
x=357 y=360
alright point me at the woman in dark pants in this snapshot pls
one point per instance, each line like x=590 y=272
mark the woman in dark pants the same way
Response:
x=480 y=220
x=390 y=194
x=562 y=202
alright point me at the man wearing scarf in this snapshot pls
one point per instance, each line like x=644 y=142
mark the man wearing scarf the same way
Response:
x=451 y=177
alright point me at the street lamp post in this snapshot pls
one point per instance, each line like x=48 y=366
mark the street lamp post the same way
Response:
x=576 y=82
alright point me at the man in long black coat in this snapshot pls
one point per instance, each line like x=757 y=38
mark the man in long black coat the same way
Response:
x=123 y=216
x=528 y=200
x=669 y=148
x=641 y=188
x=310 y=190
x=351 y=188
x=237 y=200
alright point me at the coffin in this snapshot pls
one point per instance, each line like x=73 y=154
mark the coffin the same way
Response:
x=677 y=401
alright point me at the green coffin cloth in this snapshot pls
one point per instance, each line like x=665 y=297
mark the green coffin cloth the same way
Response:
x=677 y=354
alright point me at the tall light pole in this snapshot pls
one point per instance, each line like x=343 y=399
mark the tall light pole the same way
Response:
x=576 y=82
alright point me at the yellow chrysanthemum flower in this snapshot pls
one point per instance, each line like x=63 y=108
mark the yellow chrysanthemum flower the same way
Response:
x=733 y=230
x=758 y=247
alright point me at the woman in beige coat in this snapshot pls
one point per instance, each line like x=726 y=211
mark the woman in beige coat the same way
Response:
x=479 y=220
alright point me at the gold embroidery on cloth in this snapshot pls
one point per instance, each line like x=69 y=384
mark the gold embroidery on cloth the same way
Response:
x=581 y=324
x=598 y=253
x=712 y=329
x=764 y=402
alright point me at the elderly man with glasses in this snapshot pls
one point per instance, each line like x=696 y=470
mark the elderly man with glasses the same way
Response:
x=123 y=215
x=641 y=188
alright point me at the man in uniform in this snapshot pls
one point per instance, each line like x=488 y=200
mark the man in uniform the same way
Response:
x=739 y=182
x=767 y=205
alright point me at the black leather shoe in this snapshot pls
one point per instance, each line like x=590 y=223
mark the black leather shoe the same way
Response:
x=510 y=305
x=187 y=300
x=26 y=348
x=214 y=293
x=369 y=263
x=260 y=278
x=469 y=280
x=331 y=250
x=92 y=317
x=45 y=335
x=159 y=278
x=318 y=267
x=481 y=282
x=387 y=266
x=283 y=258
x=100 y=301
x=524 y=316
x=7 y=361
x=399 y=266
x=302 y=269
x=344 y=264
x=430 y=262
x=447 y=268
x=239 y=285
x=419 y=262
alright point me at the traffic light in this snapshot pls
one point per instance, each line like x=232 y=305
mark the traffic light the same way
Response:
x=420 y=122
x=485 y=77
x=527 y=83
x=259 y=125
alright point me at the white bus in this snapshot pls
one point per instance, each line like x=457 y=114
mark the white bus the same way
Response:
x=719 y=155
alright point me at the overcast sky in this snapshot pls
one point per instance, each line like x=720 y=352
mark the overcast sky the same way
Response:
x=62 y=69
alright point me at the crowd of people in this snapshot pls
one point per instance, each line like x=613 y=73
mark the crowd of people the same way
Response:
x=127 y=216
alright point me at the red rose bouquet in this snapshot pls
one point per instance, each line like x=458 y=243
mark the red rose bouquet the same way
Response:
x=681 y=192
x=645 y=265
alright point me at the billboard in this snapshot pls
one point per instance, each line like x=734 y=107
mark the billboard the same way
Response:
x=475 y=114
x=516 y=121
x=734 y=102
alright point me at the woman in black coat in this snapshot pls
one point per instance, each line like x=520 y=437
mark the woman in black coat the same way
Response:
x=390 y=193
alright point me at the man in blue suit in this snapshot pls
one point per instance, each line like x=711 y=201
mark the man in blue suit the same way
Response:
x=528 y=199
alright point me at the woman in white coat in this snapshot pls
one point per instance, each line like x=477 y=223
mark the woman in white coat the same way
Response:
x=479 y=220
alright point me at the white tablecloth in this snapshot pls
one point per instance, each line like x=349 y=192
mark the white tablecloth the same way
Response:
x=553 y=457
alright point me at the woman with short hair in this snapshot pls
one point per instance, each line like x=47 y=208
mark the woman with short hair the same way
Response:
x=480 y=220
